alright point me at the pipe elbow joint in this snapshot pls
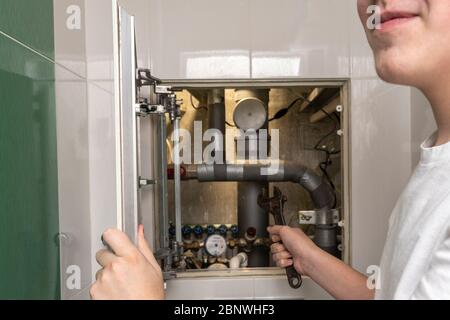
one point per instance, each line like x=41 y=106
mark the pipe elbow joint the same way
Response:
x=320 y=191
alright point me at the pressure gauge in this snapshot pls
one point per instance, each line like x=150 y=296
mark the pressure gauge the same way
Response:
x=215 y=245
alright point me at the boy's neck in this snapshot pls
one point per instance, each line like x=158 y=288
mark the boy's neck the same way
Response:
x=439 y=97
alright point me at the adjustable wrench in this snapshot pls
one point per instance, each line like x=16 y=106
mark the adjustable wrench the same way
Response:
x=275 y=206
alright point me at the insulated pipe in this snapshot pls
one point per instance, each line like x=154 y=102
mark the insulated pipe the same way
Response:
x=321 y=193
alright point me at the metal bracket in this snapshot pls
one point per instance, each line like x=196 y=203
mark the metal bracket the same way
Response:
x=143 y=109
x=160 y=89
x=169 y=275
x=146 y=182
x=318 y=217
x=145 y=78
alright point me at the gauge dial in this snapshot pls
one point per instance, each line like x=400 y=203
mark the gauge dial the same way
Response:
x=215 y=245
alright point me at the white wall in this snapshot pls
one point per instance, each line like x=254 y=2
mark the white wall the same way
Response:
x=248 y=38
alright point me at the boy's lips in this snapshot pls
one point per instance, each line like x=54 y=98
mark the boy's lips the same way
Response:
x=394 y=19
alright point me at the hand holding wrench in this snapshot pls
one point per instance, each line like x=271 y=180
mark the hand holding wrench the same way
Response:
x=275 y=207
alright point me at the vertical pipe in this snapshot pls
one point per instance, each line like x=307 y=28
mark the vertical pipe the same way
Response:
x=250 y=214
x=216 y=119
x=216 y=116
x=163 y=193
x=177 y=178
x=325 y=237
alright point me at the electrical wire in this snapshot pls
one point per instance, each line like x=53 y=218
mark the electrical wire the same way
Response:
x=324 y=165
x=335 y=129
x=338 y=118
x=282 y=112
x=324 y=168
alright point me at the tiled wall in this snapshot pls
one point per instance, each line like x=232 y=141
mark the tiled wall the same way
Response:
x=248 y=38
x=29 y=259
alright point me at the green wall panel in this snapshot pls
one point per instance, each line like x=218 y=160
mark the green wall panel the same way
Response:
x=29 y=21
x=29 y=259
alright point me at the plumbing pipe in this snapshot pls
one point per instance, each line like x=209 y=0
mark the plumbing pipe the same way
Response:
x=216 y=110
x=250 y=237
x=177 y=179
x=325 y=237
x=250 y=214
x=164 y=240
x=239 y=261
x=321 y=193
x=250 y=234
x=216 y=119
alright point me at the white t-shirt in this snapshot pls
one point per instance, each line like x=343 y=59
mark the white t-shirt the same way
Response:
x=416 y=259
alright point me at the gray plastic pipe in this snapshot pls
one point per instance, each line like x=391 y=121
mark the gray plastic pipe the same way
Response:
x=320 y=191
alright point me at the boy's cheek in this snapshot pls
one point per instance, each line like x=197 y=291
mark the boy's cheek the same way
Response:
x=362 y=6
x=438 y=24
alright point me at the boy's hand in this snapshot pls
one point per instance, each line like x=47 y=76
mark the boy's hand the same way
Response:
x=295 y=248
x=130 y=273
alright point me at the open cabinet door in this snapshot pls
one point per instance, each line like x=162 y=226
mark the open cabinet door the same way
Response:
x=129 y=182
x=96 y=136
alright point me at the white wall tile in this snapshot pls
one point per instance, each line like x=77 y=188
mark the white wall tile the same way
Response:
x=242 y=288
x=380 y=163
x=249 y=39
x=362 y=62
x=73 y=178
x=306 y=39
x=70 y=44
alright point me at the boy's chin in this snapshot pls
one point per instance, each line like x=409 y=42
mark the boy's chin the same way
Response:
x=395 y=72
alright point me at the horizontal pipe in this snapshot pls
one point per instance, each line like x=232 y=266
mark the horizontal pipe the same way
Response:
x=320 y=191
